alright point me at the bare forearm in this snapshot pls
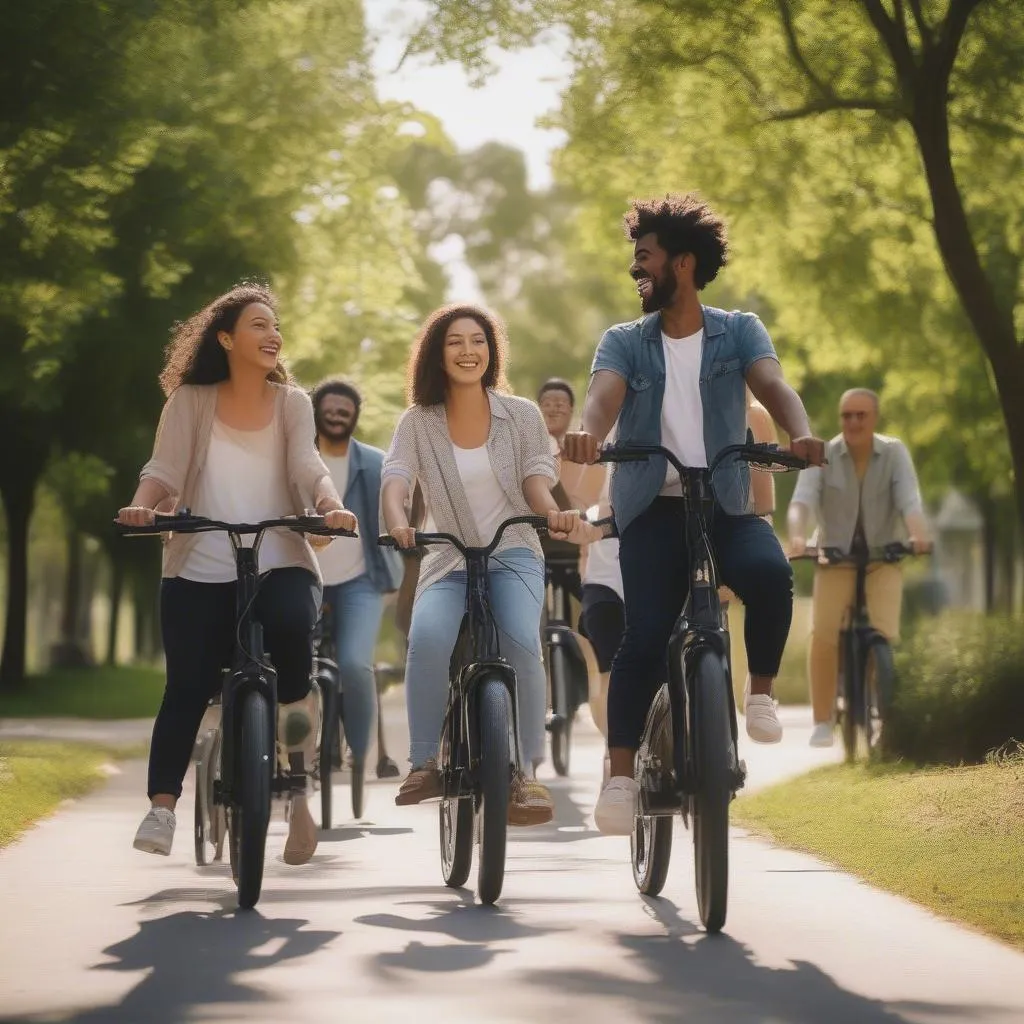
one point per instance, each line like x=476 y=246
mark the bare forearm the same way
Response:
x=796 y=520
x=150 y=493
x=605 y=396
x=785 y=407
x=392 y=499
x=917 y=526
x=537 y=492
x=327 y=498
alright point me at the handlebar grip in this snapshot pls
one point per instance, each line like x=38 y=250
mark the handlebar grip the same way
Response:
x=611 y=455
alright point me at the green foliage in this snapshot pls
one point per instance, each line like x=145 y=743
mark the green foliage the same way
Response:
x=959 y=690
x=96 y=693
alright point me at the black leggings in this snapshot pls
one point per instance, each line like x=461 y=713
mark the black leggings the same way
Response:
x=198 y=625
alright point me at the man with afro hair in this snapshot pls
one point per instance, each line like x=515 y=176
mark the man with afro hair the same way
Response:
x=678 y=377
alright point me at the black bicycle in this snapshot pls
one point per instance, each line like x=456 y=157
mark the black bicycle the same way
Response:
x=864 y=689
x=688 y=756
x=248 y=775
x=564 y=661
x=479 y=748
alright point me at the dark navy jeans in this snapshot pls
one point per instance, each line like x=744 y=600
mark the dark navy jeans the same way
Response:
x=655 y=578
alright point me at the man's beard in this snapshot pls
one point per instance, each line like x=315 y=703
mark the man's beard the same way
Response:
x=663 y=293
x=336 y=434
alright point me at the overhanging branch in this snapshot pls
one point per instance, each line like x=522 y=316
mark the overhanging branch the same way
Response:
x=828 y=104
x=795 y=52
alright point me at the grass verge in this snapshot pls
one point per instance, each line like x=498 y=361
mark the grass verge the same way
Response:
x=37 y=775
x=123 y=691
x=951 y=839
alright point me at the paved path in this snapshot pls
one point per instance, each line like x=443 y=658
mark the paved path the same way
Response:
x=93 y=931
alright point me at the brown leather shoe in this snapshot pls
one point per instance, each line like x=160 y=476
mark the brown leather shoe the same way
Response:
x=423 y=783
x=530 y=803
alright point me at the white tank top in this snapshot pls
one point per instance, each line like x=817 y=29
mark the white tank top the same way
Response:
x=488 y=501
x=244 y=480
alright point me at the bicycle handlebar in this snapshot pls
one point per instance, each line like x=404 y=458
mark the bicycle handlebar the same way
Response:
x=756 y=454
x=894 y=552
x=185 y=522
x=539 y=523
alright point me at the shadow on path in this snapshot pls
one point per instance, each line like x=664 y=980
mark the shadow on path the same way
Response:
x=698 y=978
x=195 y=960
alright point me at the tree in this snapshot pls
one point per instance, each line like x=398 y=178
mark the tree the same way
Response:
x=888 y=132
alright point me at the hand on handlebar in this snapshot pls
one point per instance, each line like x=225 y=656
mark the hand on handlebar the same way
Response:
x=136 y=515
x=811 y=449
x=562 y=524
x=920 y=545
x=341 y=519
x=797 y=546
x=404 y=537
x=579 y=446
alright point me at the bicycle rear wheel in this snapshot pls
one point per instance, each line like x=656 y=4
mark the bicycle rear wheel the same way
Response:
x=328 y=739
x=879 y=674
x=494 y=718
x=455 y=821
x=650 y=842
x=714 y=753
x=563 y=708
x=206 y=811
x=851 y=692
x=251 y=812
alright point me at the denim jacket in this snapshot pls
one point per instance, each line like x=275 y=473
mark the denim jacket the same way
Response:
x=362 y=497
x=732 y=343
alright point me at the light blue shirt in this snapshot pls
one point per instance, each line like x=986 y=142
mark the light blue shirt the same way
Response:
x=732 y=343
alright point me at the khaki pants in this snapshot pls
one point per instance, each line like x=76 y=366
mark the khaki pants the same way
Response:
x=834 y=592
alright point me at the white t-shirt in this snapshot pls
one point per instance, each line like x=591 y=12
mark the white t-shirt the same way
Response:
x=244 y=480
x=488 y=501
x=343 y=559
x=682 y=412
x=602 y=568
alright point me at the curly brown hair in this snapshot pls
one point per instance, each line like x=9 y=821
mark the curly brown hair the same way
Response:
x=195 y=356
x=683 y=223
x=426 y=381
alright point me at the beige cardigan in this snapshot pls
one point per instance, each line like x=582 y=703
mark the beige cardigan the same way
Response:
x=179 y=454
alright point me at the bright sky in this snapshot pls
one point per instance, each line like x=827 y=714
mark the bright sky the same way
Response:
x=526 y=86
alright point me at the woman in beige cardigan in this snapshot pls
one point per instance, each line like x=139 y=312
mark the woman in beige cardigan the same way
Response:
x=236 y=443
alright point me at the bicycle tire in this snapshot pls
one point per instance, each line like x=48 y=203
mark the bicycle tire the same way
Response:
x=562 y=706
x=455 y=825
x=650 y=846
x=494 y=719
x=879 y=668
x=714 y=754
x=851 y=705
x=252 y=810
x=203 y=802
x=328 y=737
x=358 y=787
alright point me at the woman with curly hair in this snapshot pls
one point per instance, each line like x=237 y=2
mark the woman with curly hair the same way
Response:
x=479 y=456
x=236 y=443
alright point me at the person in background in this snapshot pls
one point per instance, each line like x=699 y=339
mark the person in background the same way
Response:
x=580 y=485
x=864 y=497
x=356 y=576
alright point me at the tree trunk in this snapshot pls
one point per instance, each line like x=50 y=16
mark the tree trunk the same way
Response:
x=69 y=651
x=18 y=497
x=116 y=593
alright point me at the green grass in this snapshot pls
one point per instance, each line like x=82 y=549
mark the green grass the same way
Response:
x=37 y=775
x=951 y=839
x=791 y=686
x=98 y=693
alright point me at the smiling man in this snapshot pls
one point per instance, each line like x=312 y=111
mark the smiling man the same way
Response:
x=357 y=574
x=678 y=377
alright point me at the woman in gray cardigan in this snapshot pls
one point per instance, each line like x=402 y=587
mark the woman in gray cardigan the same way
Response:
x=480 y=456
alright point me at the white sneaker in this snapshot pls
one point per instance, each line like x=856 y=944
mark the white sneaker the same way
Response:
x=763 y=724
x=616 y=806
x=156 y=833
x=823 y=735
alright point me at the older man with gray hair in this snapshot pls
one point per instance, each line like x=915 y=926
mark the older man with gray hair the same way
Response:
x=864 y=497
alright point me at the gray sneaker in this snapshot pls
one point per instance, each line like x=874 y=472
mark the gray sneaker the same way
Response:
x=156 y=833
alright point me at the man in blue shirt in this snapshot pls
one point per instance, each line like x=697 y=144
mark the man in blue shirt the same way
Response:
x=678 y=377
x=357 y=574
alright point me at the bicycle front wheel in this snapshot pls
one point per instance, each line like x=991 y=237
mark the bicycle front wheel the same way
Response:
x=494 y=718
x=563 y=708
x=251 y=813
x=715 y=756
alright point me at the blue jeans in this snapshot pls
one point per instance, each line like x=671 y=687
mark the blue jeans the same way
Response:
x=356 y=607
x=517 y=591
